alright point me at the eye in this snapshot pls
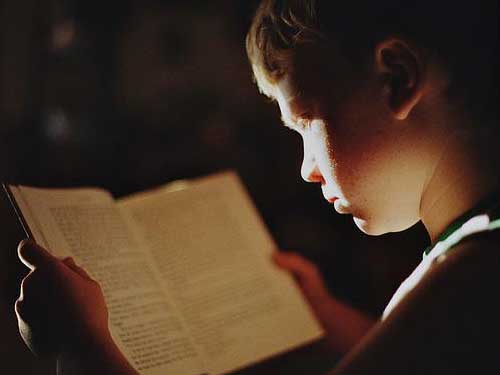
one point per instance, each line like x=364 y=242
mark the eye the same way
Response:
x=304 y=123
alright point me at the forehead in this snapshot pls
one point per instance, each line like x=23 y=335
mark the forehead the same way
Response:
x=289 y=101
x=284 y=95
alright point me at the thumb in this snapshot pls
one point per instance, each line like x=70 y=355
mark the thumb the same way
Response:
x=33 y=255
x=295 y=263
x=306 y=272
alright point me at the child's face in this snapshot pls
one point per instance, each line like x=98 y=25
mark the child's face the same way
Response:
x=368 y=163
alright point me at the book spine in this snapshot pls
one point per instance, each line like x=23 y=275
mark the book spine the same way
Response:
x=17 y=210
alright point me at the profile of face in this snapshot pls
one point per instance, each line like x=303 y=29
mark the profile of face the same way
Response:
x=365 y=142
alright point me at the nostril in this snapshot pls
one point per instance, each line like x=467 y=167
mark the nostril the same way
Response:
x=311 y=173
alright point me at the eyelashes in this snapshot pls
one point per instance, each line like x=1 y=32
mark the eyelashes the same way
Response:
x=305 y=119
x=304 y=123
x=300 y=123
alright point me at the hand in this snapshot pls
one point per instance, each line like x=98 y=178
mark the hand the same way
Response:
x=308 y=278
x=310 y=281
x=344 y=325
x=60 y=308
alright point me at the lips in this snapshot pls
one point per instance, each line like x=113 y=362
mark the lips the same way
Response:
x=340 y=207
x=332 y=199
x=328 y=194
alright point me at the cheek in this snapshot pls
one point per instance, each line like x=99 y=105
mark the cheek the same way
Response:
x=351 y=153
x=358 y=137
x=361 y=152
x=364 y=162
x=381 y=176
x=377 y=167
x=348 y=131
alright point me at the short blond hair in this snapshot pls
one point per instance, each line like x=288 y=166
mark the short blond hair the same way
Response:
x=278 y=29
x=463 y=34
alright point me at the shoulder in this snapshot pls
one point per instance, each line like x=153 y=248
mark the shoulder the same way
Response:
x=462 y=285
x=471 y=263
x=447 y=323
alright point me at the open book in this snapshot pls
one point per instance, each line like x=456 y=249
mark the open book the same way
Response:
x=185 y=269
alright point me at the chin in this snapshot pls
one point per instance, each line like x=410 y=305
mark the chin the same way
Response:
x=368 y=227
x=377 y=228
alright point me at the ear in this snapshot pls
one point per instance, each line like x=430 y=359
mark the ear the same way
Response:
x=402 y=70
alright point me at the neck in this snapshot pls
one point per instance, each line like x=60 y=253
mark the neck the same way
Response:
x=463 y=175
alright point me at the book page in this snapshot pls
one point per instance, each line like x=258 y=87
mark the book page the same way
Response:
x=87 y=225
x=214 y=255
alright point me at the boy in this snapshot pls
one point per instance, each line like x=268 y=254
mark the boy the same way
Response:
x=396 y=108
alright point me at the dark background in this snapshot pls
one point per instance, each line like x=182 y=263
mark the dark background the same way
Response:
x=127 y=95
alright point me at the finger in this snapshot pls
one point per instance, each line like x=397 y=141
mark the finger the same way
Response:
x=31 y=305
x=306 y=272
x=18 y=307
x=35 y=329
x=33 y=255
x=24 y=313
x=34 y=287
x=294 y=263
x=70 y=263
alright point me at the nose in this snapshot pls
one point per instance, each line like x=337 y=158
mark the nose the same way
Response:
x=309 y=170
